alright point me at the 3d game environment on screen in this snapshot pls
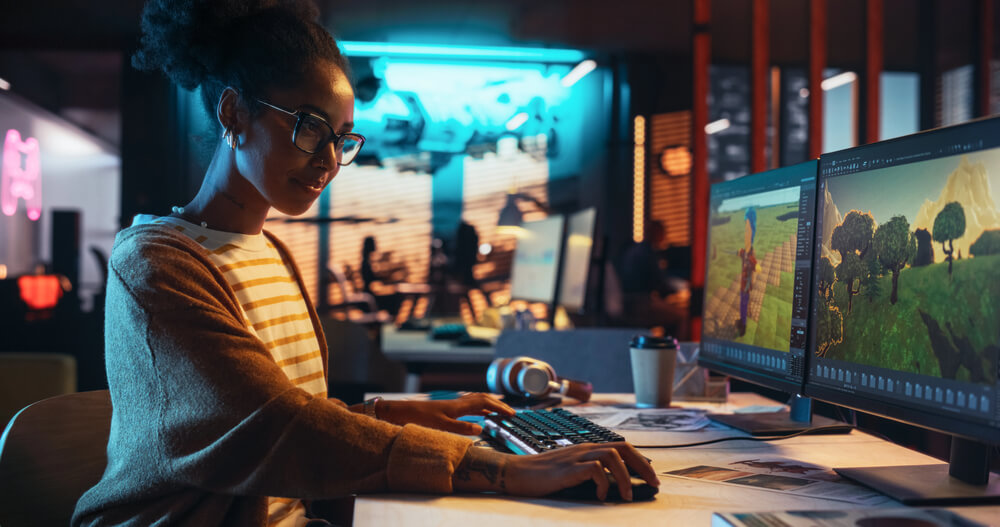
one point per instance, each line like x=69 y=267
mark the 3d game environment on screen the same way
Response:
x=907 y=277
x=751 y=269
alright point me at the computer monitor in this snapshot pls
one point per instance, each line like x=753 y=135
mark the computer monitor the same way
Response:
x=757 y=278
x=905 y=318
x=536 y=260
x=577 y=251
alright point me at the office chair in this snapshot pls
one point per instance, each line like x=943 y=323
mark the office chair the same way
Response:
x=358 y=306
x=26 y=377
x=50 y=454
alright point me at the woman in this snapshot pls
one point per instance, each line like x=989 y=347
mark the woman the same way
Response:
x=216 y=361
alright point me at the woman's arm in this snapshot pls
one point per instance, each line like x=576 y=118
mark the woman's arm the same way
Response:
x=441 y=415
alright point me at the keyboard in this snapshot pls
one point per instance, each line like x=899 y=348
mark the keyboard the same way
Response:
x=536 y=431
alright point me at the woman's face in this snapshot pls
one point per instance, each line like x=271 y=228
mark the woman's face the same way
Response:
x=285 y=177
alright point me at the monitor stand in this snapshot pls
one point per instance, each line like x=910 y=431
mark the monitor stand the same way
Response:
x=966 y=480
x=798 y=418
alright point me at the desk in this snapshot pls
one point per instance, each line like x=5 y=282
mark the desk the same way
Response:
x=416 y=350
x=681 y=502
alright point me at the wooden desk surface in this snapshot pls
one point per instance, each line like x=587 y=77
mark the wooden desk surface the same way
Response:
x=680 y=501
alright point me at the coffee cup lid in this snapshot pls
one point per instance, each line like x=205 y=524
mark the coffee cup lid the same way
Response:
x=650 y=342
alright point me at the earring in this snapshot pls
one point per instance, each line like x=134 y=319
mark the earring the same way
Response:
x=230 y=138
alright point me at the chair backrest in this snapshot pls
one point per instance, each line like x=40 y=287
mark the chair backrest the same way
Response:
x=50 y=454
x=596 y=355
x=26 y=377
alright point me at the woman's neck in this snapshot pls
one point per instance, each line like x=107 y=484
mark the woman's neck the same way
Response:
x=226 y=201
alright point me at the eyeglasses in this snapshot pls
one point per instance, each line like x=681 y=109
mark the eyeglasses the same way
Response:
x=312 y=132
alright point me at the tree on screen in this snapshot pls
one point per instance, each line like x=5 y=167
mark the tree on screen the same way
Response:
x=830 y=329
x=852 y=239
x=987 y=243
x=870 y=280
x=948 y=225
x=894 y=246
x=826 y=276
x=851 y=271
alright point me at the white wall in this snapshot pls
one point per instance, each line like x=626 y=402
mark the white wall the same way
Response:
x=79 y=171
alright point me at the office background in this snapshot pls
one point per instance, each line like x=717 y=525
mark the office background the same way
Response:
x=683 y=93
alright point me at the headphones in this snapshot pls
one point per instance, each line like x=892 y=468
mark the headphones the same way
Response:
x=533 y=379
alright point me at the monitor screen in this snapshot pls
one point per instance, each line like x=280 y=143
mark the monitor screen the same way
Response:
x=536 y=260
x=905 y=318
x=576 y=259
x=907 y=300
x=757 y=276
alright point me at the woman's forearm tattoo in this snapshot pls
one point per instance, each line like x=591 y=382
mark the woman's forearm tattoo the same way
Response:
x=491 y=468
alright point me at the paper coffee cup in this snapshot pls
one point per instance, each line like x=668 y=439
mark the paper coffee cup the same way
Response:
x=653 y=360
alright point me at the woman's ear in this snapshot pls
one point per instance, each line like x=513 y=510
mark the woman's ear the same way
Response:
x=230 y=112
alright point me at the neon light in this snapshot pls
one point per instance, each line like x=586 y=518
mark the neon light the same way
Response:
x=380 y=49
x=638 y=178
x=4 y=84
x=19 y=180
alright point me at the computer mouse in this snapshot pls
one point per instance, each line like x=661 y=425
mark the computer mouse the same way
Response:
x=641 y=491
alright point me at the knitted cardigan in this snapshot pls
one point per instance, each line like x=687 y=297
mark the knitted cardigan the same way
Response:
x=205 y=426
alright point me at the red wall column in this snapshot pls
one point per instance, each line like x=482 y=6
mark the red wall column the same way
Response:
x=873 y=68
x=759 y=76
x=702 y=57
x=817 y=62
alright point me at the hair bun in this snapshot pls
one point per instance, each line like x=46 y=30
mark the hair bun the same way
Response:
x=192 y=40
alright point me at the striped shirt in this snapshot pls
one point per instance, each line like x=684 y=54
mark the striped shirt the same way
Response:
x=274 y=310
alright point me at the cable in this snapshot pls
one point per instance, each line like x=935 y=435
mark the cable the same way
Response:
x=807 y=431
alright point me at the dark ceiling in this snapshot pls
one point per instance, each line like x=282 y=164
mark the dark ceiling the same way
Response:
x=69 y=54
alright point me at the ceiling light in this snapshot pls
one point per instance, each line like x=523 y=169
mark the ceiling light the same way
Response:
x=839 y=80
x=715 y=127
x=578 y=72
x=515 y=122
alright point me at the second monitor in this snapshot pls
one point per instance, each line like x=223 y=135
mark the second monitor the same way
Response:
x=536 y=260
x=758 y=271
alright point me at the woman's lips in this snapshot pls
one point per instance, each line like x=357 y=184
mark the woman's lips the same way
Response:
x=315 y=185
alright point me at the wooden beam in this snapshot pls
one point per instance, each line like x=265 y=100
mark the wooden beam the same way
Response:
x=701 y=58
x=817 y=63
x=874 y=28
x=928 y=53
x=985 y=52
x=759 y=79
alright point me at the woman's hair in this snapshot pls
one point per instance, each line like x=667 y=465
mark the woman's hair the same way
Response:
x=250 y=45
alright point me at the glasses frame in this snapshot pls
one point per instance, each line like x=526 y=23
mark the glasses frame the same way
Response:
x=334 y=137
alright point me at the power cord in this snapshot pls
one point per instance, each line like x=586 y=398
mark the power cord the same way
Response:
x=807 y=431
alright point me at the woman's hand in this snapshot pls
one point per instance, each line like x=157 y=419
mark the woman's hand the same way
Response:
x=443 y=415
x=538 y=475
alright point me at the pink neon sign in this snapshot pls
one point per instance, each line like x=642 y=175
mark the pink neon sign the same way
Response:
x=21 y=176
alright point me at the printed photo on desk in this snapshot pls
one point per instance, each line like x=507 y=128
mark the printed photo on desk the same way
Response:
x=780 y=475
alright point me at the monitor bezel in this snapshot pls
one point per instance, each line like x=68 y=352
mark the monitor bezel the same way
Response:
x=742 y=371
